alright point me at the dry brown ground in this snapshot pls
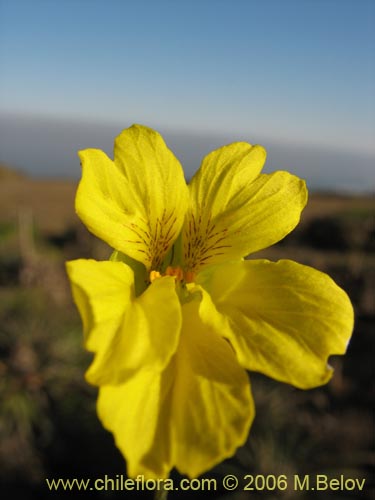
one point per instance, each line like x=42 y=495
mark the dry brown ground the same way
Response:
x=49 y=202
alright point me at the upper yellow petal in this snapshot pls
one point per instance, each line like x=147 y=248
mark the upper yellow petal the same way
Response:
x=223 y=174
x=137 y=202
x=283 y=319
x=234 y=210
x=191 y=416
x=127 y=333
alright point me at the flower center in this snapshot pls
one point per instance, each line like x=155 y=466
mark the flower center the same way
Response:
x=178 y=273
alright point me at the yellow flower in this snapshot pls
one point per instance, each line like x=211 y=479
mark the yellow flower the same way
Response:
x=176 y=317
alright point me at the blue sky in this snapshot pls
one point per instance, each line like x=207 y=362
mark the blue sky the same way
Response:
x=293 y=71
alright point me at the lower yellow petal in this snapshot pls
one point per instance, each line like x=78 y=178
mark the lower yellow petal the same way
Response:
x=97 y=288
x=127 y=333
x=191 y=416
x=213 y=408
x=284 y=319
x=138 y=414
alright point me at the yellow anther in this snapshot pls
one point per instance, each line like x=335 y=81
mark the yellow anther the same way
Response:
x=154 y=275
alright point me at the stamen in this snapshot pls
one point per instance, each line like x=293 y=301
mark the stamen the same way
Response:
x=178 y=273
x=189 y=276
x=154 y=275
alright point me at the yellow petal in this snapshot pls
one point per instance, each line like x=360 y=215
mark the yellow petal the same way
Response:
x=284 y=319
x=235 y=210
x=213 y=407
x=138 y=414
x=137 y=202
x=191 y=416
x=126 y=333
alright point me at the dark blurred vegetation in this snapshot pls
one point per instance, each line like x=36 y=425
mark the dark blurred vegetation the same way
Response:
x=48 y=423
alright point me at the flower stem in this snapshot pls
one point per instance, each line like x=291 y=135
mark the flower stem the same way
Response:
x=161 y=494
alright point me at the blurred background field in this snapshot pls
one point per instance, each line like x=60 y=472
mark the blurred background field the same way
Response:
x=48 y=424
